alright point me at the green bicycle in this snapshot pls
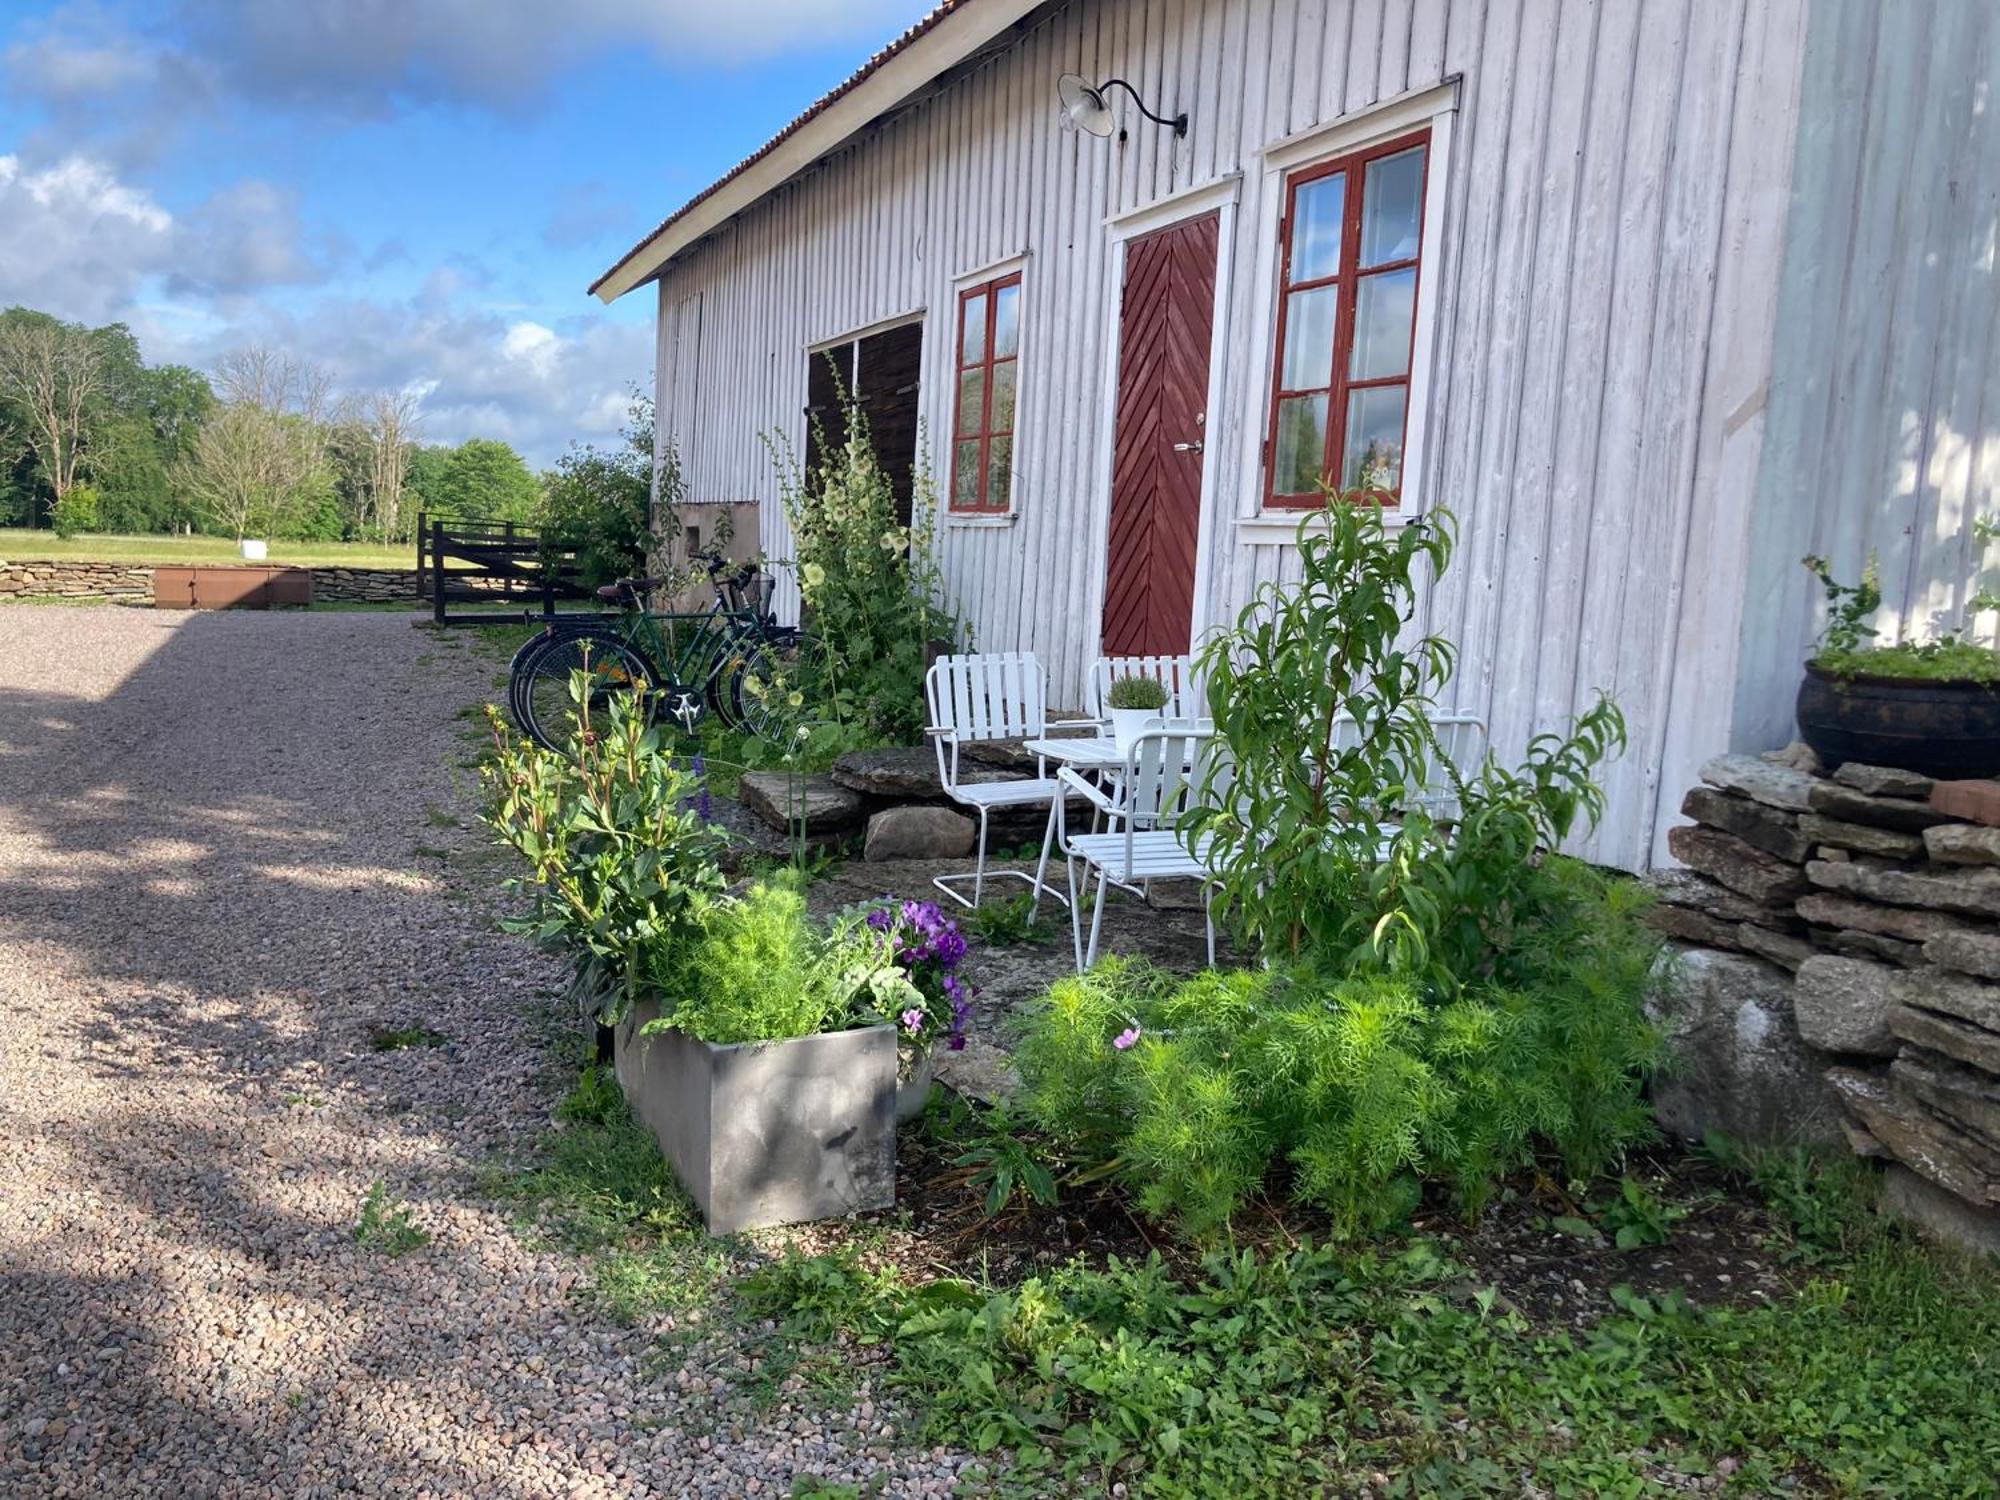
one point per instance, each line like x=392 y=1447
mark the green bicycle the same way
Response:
x=731 y=659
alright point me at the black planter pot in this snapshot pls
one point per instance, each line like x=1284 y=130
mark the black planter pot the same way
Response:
x=1950 y=730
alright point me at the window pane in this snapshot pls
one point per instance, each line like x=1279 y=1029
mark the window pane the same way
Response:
x=1309 y=338
x=1374 y=451
x=1383 y=306
x=1007 y=321
x=1300 y=458
x=1392 y=207
x=1316 y=227
x=1003 y=395
x=965 y=476
x=999 y=472
x=971 y=392
x=972 y=330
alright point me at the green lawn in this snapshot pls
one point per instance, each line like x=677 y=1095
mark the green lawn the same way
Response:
x=17 y=545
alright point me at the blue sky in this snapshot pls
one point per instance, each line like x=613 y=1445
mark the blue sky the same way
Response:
x=412 y=193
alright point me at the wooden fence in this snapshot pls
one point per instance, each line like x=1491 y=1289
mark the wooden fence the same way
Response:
x=501 y=567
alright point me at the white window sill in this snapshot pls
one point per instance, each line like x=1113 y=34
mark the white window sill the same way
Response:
x=1274 y=526
x=995 y=522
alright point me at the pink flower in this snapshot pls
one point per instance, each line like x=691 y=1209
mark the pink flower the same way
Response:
x=913 y=1020
x=1126 y=1038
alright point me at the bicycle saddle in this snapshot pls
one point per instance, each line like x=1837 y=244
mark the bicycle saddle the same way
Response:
x=625 y=586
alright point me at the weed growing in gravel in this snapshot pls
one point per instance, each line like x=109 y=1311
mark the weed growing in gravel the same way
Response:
x=439 y=817
x=600 y=1188
x=387 y=1225
x=1002 y=924
x=396 y=1038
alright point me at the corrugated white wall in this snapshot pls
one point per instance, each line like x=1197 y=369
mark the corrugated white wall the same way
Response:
x=1606 y=277
x=1884 y=427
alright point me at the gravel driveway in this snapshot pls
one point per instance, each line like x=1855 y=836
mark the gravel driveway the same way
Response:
x=225 y=849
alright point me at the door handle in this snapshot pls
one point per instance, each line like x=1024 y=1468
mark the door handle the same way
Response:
x=1193 y=447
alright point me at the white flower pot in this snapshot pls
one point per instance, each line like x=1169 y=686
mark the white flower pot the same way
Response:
x=913 y=1085
x=1127 y=724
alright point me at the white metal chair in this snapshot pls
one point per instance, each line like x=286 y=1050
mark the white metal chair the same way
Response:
x=981 y=698
x=1460 y=738
x=1176 y=673
x=1161 y=775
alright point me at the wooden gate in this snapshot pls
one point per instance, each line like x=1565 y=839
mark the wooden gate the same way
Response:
x=500 y=564
x=1165 y=321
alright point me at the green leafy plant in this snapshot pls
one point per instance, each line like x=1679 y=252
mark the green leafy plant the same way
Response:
x=870 y=583
x=1001 y=924
x=386 y=1224
x=78 y=510
x=1007 y=1167
x=1846 y=648
x=621 y=862
x=1636 y=1216
x=761 y=970
x=595 y=503
x=1137 y=692
x=396 y=1038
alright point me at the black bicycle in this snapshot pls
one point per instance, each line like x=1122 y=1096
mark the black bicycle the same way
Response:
x=732 y=659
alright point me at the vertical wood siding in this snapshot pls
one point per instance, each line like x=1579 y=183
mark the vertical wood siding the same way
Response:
x=1884 y=419
x=1606 y=272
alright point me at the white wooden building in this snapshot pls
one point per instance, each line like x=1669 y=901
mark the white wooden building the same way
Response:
x=1656 y=295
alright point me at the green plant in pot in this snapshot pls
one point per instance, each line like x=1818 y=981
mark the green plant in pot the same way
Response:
x=1927 y=706
x=1132 y=701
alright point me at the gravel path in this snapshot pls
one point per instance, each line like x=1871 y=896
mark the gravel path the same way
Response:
x=227 y=855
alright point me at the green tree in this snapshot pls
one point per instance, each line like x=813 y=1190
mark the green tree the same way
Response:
x=596 y=500
x=486 y=478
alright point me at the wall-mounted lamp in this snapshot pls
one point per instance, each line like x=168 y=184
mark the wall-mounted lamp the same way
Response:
x=1084 y=106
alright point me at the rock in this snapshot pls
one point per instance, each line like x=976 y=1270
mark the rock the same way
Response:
x=1760 y=781
x=1974 y=892
x=1939 y=1215
x=1891 y=921
x=1859 y=1141
x=1973 y=801
x=906 y=774
x=1850 y=806
x=1842 y=1005
x=1956 y=995
x=1836 y=856
x=919 y=833
x=1686 y=888
x=1798 y=756
x=1781 y=948
x=1860 y=837
x=1955 y=1039
x=1745 y=870
x=774 y=797
x=1875 y=945
x=1883 y=781
x=1692 y=926
x=1767 y=828
x=1961 y=1094
x=1738 y=1063
x=1916 y=1137
x=1963 y=844
x=1967 y=952
x=1007 y=755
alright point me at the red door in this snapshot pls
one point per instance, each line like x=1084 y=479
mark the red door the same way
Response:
x=1164 y=322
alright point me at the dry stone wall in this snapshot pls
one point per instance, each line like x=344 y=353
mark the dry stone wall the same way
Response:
x=132 y=584
x=1872 y=897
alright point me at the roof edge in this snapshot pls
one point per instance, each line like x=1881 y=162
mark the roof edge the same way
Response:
x=954 y=32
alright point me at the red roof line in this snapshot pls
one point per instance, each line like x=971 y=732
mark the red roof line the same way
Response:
x=928 y=23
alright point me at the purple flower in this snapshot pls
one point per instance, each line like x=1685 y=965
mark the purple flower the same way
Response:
x=881 y=919
x=913 y=1020
x=1126 y=1038
x=701 y=803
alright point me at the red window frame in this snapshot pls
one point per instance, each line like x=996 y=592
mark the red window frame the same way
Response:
x=982 y=501
x=1348 y=276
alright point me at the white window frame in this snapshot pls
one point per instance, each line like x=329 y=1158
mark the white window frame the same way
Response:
x=991 y=520
x=1436 y=109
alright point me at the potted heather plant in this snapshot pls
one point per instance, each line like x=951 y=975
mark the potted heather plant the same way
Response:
x=1132 y=702
x=1927 y=706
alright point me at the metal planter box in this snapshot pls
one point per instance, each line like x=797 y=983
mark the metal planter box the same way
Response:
x=226 y=586
x=768 y=1132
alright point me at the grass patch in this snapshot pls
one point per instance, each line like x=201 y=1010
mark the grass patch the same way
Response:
x=396 y=1038
x=1323 y=1368
x=386 y=1225
x=598 y=1187
x=22 y=545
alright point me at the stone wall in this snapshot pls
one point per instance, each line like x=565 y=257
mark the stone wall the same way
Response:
x=76 y=580
x=1864 y=908
x=131 y=584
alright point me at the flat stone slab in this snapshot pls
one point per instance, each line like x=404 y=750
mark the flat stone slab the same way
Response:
x=1850 y=806
x=1883 y=781
x=1899 y=922
x=908 y=774
x=1938 y=1214
x=1972 y=892
x=1771 y=829
x=1761 y=781
x=1916 y=1137
x=1970 y=1000
x=1967 y=952
x=1843 y=1004
x=1963 y=844
x=1861 y=838
x=778 y=798
x=1744 y=869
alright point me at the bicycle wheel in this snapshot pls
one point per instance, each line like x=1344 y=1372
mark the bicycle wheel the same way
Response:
x=517 y=668
x=783 y=686
x=546 y=704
